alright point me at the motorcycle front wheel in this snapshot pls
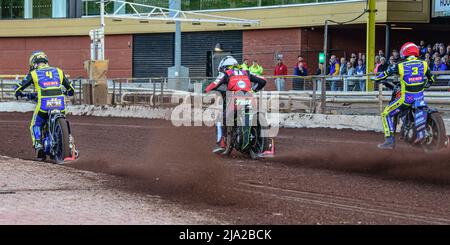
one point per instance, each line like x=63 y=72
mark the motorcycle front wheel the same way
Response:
x=436 y=134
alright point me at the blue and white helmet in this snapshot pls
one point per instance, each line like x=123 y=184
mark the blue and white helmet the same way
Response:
x=227 y=62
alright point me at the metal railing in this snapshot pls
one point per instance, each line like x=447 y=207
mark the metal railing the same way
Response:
x=312 y=94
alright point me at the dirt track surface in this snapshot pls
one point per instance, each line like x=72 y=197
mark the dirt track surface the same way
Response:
x=320 y=176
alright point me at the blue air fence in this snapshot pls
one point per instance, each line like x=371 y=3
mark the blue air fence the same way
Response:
x=306 y=94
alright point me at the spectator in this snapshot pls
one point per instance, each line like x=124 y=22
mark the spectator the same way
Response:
x=245 y=65
x=334 y=71
x=445 y=61
x=428 y=59
x=359 y=56
x=392 y=61
x=361 y=70
x=319 y=70
x=343 y=67
x=442 y=51
x=438 y=65
x=353 y=59
x=280 y=70
x=256 y=68
x=422 y=48
x=300 y=70
x=383 y=65
x=448 y=49
x=377 y=63
x=380 y=53
x=396 y=56
x=350 y=72
x=300 y=59
x=363 y=58
x=429 y=49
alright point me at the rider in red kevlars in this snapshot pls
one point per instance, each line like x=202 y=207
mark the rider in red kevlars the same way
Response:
x=235 y=79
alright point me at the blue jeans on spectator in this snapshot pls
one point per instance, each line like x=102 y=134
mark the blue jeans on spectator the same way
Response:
x=279 y=83
x=362 y=85
x=333 y=86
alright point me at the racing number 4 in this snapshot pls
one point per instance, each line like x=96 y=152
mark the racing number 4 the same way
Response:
x=49 y=74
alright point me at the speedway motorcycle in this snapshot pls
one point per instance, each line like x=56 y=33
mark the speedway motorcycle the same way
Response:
x=435 y=133
x=244 y=127
x=59 y=145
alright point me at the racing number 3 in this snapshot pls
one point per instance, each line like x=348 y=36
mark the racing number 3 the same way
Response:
x=415 y=70
x=49 y=74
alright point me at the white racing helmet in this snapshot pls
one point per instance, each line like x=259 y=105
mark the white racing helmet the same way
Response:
x=226 y=62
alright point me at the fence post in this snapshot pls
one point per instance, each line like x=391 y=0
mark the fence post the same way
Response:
x=323 y=96
x=313 y=102
x=80 y=91
x=154 y=94
x=290 y=103
x=113 y=100
x=162 y=91
x=120 y=92
x=1 y=86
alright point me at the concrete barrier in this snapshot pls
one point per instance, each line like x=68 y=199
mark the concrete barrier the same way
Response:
x=284 y=120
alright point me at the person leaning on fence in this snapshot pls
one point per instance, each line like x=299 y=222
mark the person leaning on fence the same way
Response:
x=383 y=65
x=300 y=59
x=280 y=71
x=299 y=70
x=361 y=70
x=439 y=65
x=334 y=71
x=350 y=72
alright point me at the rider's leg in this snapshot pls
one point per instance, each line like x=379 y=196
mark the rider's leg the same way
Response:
x=37 y=122
x=386 y=116
x=220 y=139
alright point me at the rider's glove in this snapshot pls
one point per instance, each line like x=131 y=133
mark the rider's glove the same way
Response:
x=19 y=94
x=68 y=92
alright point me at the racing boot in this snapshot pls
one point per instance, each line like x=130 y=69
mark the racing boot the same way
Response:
x=389 y=144
x=40 y=153
x=221 y=146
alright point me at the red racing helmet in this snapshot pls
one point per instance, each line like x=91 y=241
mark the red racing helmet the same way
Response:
x=409 y=49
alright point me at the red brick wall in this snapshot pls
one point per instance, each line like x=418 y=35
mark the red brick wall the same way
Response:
x=263 y=45
x=68 y=53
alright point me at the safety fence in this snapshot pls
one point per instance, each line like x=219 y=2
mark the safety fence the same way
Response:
x=311 y=94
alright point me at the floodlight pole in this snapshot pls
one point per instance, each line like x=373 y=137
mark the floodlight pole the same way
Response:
x=176 y=5
x=101 y=50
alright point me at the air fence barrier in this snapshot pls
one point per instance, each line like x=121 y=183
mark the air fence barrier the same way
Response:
x=310 y=94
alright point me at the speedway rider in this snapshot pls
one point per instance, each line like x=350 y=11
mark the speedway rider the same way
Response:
x=235 y=79
x=48 y=82
x=412 y=84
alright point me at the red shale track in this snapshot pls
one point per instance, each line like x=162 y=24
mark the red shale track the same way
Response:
x=319 y=176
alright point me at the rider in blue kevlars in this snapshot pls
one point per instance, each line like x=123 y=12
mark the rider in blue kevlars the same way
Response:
x=412 y=72
x=48 y=83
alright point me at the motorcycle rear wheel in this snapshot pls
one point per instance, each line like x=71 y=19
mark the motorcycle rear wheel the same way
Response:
x=62 y=150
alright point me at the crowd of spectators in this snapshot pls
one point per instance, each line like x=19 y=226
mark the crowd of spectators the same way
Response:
x=436 y=55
